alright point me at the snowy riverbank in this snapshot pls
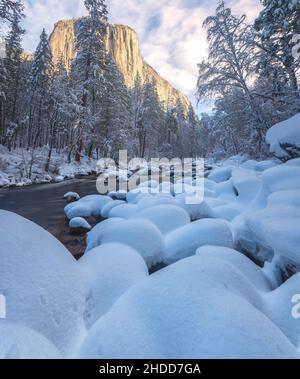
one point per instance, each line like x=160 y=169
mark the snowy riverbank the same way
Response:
x=15 y=167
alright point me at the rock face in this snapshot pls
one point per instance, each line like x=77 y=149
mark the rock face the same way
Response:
x=122 y=42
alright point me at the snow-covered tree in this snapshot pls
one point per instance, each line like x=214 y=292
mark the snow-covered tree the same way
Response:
x=231 y=66
x=89 y=66
x=277 y=25
x=40 y=92
x=9 y=9
x=15 y=79
x=116 y=116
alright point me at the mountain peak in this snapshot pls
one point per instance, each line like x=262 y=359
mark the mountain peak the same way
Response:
x=122 y=43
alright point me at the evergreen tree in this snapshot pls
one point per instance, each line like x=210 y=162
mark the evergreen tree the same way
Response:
x=116 y=120
x=89 y=66
x=40 y=92
x=15 y=79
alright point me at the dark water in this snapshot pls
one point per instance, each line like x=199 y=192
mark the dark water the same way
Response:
x=44 y=205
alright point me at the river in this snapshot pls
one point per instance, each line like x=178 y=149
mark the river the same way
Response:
x=44 y=205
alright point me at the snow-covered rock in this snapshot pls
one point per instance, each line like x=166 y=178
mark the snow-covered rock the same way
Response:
x=200 y=307
x=253 y=272
x=112 y=269
x=196 y=211
x=141 y=235
x=19 y=342
x=94 y=237
x=220 y=174
x=91 y=205
x=185 y=241
x=44 y=286
x=71 y=196
x=284 y=138
x=79 y=224
x=166 y=217
x=109 y=206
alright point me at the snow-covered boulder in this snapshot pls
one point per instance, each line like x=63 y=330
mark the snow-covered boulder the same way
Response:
x=196 y=211
x=112 y=269
x=78 y=209
x=79 y=225
x=94 y=237
x=166 y=217
x=19 y=342
x=284 y=138
x=246 y=184
x=200 y=307
x=58 y=179
x=44 y=286
x=123 y=211
x=71 y=196
x=185 y=241
x=87 y=206
x=220 y=174
x=109 y=206
x=141 y=235
x=118 y=195
x=253 y=272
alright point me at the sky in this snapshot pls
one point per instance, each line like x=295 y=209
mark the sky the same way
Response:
x=170 y=32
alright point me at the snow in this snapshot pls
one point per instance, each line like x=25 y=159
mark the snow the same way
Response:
x=15 y=166
x=285 y=133
x=71 y=196
x=112 y=269
x=94 y=237
x=220 y=174
x=87 y=206
x=109 y=206
x=167 y=217
x=44 y=286
x=184 y=241
x=79 y=223
x=217 y=317
x=210 y=302
x=141 y=235
x=19 y=342
x=253 y=272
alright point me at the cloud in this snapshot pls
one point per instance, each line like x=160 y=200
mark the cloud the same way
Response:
x=171 y=36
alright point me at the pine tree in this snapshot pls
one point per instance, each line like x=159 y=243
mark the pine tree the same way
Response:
x=15 y=78
x=117 y=118
x=89 y=66
x=10 y=10
x=41 y=79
